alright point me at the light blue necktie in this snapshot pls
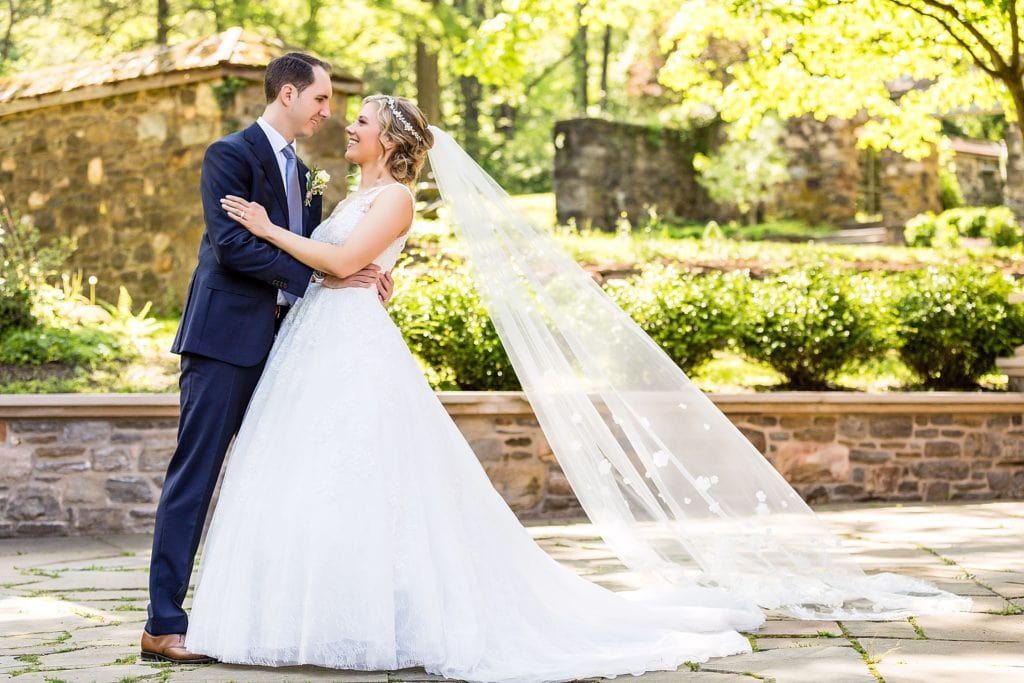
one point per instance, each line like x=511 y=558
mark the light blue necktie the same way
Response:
x=294 y=193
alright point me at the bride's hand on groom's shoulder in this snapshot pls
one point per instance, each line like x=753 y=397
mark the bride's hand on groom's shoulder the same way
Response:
x=250 y=215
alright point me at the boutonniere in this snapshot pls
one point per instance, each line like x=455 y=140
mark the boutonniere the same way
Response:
x=316 y=181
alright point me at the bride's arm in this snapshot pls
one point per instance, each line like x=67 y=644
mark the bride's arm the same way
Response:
x=389 y=216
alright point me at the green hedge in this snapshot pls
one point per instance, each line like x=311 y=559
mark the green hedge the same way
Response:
x=945 y=229
x=445 y=324
x=689 y=315
x=808 y=325
x=954 y=322
x=948 y=324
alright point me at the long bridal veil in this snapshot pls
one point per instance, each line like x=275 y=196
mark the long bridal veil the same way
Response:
x=677 y=492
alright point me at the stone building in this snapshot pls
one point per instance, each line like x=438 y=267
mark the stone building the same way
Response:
x=110 y=152
x=604 y=168
x=980 y=170
x=831 y=181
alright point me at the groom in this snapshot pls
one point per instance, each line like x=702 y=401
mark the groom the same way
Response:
x=240 y=291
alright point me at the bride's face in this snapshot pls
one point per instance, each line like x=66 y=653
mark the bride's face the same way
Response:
x=364 y=144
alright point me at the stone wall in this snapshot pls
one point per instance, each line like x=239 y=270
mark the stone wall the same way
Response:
x=120 y=173
x=823 y=171
x=90 y=463
x=603 y=169
x=980 y=179
x=909 y=187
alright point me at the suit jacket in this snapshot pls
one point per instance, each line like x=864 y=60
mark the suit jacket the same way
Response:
x=231 y=301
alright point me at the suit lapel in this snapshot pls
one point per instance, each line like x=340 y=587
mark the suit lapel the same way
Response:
x=268 y=158
x=303 y=170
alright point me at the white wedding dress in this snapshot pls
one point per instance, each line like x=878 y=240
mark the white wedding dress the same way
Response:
x=356 y=529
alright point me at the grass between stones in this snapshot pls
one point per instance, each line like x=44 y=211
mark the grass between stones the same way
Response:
x=917 y=629
x=868 y=659
x=1009 y=609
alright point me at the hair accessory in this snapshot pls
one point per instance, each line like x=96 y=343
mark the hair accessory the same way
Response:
x=401 y=119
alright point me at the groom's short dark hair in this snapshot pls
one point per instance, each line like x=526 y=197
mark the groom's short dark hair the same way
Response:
x=295 y=68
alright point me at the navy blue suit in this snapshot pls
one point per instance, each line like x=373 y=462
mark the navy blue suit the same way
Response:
x=226 y=332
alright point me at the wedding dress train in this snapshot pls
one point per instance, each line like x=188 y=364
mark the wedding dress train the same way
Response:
x=356 y=529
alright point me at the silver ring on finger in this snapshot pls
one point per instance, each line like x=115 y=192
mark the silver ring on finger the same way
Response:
x=242 y=215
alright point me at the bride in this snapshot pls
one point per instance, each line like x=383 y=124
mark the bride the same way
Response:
x=389 y=548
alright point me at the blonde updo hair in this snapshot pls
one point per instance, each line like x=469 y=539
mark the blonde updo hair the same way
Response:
x=409 y=153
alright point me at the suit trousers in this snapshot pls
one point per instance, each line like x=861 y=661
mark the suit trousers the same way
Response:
x=214 y=397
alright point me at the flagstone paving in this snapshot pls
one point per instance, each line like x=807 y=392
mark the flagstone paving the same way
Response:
x=72 y=609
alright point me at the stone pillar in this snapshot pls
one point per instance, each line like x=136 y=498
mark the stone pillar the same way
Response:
x=1013 y=194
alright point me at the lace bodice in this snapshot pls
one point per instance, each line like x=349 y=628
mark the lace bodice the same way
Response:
x=346 y=216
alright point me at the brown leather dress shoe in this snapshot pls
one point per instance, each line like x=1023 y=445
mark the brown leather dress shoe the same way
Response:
x=170 y=648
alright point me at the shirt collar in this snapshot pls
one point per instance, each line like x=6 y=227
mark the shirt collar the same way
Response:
x=277 y=141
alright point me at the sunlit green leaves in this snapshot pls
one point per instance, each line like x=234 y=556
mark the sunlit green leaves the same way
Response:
x=841 y=57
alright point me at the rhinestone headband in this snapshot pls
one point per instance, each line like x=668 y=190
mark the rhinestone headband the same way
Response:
x=401 y=119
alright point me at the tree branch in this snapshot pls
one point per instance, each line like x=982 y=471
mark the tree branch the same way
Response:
x=949 y=29
x=1014 y=36
x=546 y=72
x=997 y=59
x=5 y=52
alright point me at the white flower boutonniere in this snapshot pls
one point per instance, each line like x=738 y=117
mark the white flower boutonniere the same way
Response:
x=316 y=181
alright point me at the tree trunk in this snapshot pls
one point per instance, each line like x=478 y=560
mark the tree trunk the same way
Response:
x=428 y=88
x=7 y=44
x=470 y=89
x=1013 y=194
x=312 y=27
x=163 y=12
x=606 y=50
x=506 y=121
x=580 y=48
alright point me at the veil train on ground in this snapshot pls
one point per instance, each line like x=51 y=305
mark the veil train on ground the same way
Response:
x=677 y=492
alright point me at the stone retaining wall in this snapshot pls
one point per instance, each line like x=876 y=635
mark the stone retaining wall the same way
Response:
x=77 y=464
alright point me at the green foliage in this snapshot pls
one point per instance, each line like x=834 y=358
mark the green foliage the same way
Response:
x=743 y=172
x=15 y=307
x=41 y=345
x=945 y=230
x=927 y=230
x=689 y=315
x=1001 y=227
x=24 y=265
x=954 y=322
x=446 y=326
x=975 y=126
x=950 y=194
x=809 y=324
x=751 y=59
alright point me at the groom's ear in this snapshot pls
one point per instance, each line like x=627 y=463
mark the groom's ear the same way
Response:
x=288 y=93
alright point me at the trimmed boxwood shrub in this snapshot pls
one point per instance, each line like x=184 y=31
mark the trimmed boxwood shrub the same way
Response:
x=954 y=322
x=689 y=315
x=446 y=325
x=809 y=324
x=996 y=223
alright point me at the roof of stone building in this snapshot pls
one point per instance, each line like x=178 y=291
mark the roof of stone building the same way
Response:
x=233 y=47
x=981 y=148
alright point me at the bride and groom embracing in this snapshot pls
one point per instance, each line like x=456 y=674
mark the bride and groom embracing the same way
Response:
x=356 y=529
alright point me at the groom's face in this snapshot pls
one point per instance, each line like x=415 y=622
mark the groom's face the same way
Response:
x=312 y=105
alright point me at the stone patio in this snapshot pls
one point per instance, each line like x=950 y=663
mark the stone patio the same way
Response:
x=72 y=609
